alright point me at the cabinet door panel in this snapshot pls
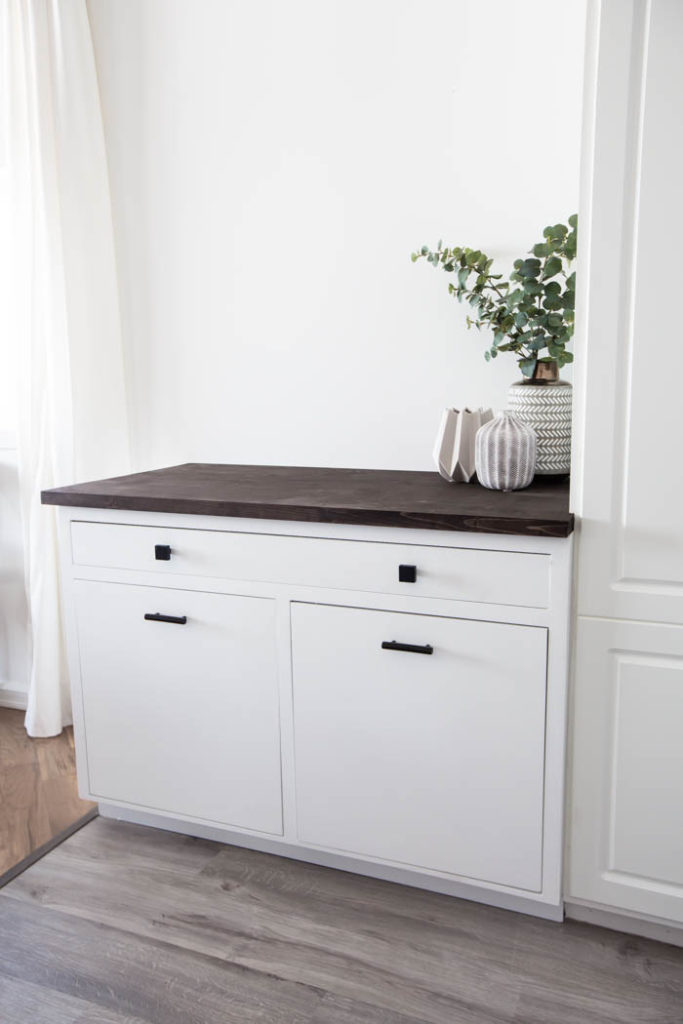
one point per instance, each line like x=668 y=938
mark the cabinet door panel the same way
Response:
x=431 y=760
x=628 y=477
x=182 y=718
x=627 y=820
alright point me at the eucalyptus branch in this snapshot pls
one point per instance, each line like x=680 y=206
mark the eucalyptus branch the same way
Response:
x=530 y=313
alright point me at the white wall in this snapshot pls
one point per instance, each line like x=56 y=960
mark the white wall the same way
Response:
x=272 y=166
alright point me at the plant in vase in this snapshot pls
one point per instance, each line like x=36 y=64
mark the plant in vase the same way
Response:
x=531 y=314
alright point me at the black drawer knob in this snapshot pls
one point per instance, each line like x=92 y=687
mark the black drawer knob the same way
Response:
x=162 y=552
x=407 y=573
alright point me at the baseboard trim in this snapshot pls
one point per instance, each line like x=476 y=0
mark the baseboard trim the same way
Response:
x=13 y=697
x=35 y=855
x=385 y=872
x=623 y=921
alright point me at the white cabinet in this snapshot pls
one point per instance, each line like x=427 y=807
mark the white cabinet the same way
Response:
x=627 y=829
x=432 y=757
x=181 y=716
x=628 y=477
x=229 y=681
x=626 y=840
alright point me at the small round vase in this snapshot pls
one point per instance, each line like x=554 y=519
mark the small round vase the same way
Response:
x=544 y=403
x=505 y=454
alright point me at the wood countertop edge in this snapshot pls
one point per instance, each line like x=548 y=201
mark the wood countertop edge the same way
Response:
x=538 y=526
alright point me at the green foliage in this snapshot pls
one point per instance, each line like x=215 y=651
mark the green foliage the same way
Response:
x=530 y=314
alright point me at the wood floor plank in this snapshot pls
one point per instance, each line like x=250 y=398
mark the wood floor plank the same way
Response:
x=22 y=1002
x=250 y=909
x=41 y=851
x=56 y=755
x=540 y=1006
x=14 y=743
x=337 y=1010
x=62 y=802
x=38 y=790
x=140 y=978
x=476 y=923
x=25 y=818
x=581 y=974
x=133 y=846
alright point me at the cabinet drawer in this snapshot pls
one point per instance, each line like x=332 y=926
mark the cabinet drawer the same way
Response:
x=463 y=574
x=435 y=761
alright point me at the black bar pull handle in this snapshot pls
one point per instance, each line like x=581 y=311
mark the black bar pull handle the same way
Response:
x=393 y=645
x=179 y=620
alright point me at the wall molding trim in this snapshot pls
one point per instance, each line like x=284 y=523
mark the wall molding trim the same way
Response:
x=13 y=695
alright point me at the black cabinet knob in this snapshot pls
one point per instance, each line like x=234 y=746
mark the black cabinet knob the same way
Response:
x=407 y=573
x=162 y=552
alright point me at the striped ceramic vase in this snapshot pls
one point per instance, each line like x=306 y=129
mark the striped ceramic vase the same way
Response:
x=505 y=454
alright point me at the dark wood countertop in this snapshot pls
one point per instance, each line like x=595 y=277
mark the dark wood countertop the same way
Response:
x=362 y=496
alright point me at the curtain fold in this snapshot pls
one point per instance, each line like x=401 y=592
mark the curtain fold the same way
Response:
x=65 y=315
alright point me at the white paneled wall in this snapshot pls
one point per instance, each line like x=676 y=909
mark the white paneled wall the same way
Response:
x=272 y=167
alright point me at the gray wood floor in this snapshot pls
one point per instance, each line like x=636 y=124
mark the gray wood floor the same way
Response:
x=127 y=925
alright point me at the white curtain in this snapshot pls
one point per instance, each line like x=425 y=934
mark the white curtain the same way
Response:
x=65 y=320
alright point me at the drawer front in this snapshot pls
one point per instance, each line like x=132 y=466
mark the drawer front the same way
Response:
x=420 y=740
x=463 y=574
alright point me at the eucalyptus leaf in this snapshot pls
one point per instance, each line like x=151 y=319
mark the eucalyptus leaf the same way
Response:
x=552 y=267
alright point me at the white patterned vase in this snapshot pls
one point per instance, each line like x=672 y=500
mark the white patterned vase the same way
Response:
x=546 y=406
x=505 y=454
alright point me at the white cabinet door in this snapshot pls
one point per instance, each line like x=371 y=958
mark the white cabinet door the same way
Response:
x=182 y=718
x=628 y=477
x=626 y=841
x=433 y=760
x=627 y=815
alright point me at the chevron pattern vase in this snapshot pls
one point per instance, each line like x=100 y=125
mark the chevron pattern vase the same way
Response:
x=505 y=454
x=547 y=408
